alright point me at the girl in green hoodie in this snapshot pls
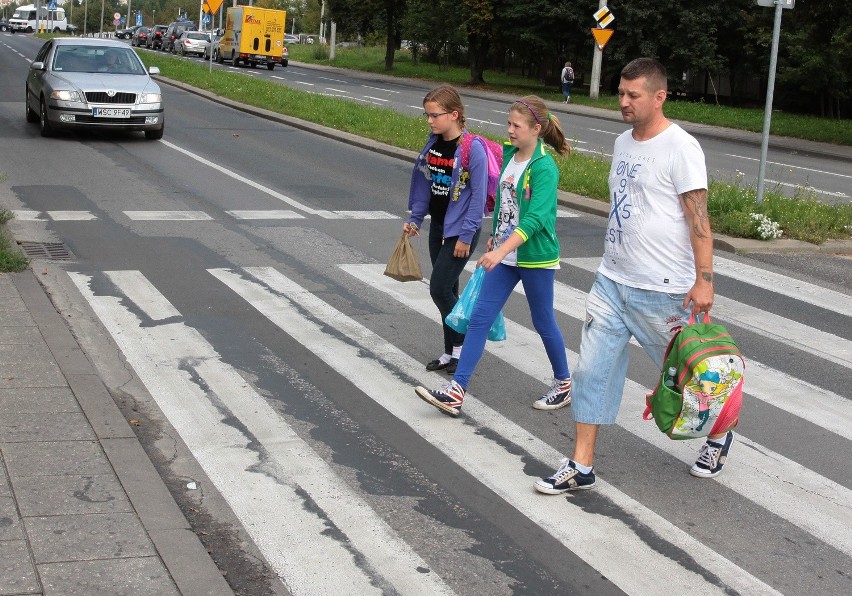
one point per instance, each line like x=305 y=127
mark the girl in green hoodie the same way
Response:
x=523 y=247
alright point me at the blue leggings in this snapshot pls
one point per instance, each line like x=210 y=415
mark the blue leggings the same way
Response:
x=496 y=288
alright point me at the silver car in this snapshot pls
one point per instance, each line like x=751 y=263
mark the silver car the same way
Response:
x=192 y=42
x=93 y=83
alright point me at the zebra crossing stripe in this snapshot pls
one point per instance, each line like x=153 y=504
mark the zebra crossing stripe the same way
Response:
x=376 y=367
x=28 y=215
x=263 y=463
x=757 y=320
x=786 y=286
x=782 y=486
x=358 y=215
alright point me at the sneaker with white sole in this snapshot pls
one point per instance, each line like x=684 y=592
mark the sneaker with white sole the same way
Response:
x=566 y=478
x=448 y=398
x=557 y=397
x=711 y=458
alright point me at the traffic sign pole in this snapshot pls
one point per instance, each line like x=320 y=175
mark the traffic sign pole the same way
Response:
x=767 y=111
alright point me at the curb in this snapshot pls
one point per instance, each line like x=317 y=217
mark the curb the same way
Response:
x=566 y=199
x=181 y=551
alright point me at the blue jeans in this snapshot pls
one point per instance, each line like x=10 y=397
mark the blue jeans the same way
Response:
x=614 y=314
x=444 y=283
x=566 y=89
x=496 y=288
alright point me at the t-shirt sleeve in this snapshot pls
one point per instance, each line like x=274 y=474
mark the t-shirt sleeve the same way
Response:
x=689 y=171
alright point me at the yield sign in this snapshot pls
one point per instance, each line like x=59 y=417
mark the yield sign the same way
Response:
x=602 y=37
x=212 y=5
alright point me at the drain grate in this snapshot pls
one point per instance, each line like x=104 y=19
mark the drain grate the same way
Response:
x=51 y=251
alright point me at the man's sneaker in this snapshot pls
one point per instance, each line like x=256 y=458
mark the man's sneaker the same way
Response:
x=712 y=458
x=448 y=399
x=559 y=396
x=566 y=478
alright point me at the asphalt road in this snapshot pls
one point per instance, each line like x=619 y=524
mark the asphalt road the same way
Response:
x=226 y=282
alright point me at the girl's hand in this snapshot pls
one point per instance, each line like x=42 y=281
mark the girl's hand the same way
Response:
x=490 y=244
x=410 y=229
x=490 y=260
x=462 y=250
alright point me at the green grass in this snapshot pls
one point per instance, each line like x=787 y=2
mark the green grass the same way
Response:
x=11 y=259
x=730 y=204
x=372 y=59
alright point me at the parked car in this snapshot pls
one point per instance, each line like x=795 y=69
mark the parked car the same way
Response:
x=288 y=38
x=173 y=32
x=213 y=47
x=4 y=26
x=78 y=83
x=192 y=42
x=126 y=33
x=140 y=37
x=72 y=29
x=155 y=37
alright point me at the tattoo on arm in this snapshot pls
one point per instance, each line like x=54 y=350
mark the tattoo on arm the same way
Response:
x=707 y=276
x=695 y=203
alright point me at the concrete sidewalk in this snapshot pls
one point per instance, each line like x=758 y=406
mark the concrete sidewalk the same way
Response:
x=83 y=511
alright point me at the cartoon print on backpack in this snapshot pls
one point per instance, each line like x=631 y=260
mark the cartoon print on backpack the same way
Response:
x=712 y=384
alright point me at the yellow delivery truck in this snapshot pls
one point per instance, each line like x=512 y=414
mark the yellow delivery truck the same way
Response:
x=252 y=36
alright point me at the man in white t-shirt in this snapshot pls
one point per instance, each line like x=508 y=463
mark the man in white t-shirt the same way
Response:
x=656 y=271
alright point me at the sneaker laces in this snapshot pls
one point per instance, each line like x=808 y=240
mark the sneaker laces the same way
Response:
x=565 y=471
x=555 y=389
x=707 y=455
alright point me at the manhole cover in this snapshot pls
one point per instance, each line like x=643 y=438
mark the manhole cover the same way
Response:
x=51 y=251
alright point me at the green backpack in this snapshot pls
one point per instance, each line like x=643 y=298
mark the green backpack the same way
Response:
x=700 y=391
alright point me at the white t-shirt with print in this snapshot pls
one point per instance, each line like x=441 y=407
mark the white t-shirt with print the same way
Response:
x=509 y=214
x=647 y=241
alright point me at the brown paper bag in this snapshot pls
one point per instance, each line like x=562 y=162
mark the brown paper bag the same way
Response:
x=404 y=264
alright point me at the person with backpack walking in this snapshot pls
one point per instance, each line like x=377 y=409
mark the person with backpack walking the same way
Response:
x=523 y=247
x=567 y=78
x=657 y=269
x=454 y=198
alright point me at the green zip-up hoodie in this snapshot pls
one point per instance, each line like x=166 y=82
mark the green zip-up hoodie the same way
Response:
x=537 y=204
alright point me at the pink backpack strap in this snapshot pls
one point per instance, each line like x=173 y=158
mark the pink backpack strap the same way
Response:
x=467 y=139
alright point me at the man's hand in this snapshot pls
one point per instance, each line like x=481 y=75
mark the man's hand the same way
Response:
x=701 y=296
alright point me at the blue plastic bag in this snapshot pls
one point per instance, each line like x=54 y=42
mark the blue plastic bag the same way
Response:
x=459 y=317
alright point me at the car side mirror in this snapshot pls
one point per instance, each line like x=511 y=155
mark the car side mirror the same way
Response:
x=154 y=70
x=37 y=66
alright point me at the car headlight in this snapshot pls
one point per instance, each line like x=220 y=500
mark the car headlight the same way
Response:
x=150 y=98
x=65 y=95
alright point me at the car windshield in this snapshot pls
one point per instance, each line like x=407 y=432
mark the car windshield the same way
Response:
x=97 y=59
x=199 y=36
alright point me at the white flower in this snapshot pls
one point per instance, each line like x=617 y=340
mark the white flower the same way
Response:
x=766 y=228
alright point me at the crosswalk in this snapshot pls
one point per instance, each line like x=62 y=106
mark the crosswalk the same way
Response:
x=260 y=461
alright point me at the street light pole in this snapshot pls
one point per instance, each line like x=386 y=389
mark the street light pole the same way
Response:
x=597 y=57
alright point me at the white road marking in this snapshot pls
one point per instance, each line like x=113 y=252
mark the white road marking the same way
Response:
x=336 y=90
x=790 y=490
x=787 y=165
x=380 y=89
x=71 y=215
x=373 y=365
x=358 y=215
x=265 y=214
x=167 y=215
x=263 y=466
x=277 y=77
x=605 y=132
x=376 y=98
x=334 y=80
x=27 y=215
x=304 y=83
x=808 y=187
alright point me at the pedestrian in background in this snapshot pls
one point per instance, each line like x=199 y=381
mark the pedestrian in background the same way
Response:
x=567 y=78
x=523 y=247
x=454 y=198
x=656 y=270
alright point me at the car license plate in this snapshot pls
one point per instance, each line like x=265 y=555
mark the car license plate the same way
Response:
x=111 y=112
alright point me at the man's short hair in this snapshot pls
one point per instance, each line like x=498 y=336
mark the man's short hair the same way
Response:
x=653 y=71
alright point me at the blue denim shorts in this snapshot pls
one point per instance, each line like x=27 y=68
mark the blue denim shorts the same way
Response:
x=614 y=314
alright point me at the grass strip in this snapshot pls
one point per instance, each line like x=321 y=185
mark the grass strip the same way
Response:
x=11 y=259
x=730 y=204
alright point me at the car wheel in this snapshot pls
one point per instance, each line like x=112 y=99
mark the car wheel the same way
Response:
x=284 y=63
x=153 y=135
x=31 y=116
x=44 y=123
x=218 y=57
x=234 y=59
x=270 y=65
x=253 y=64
